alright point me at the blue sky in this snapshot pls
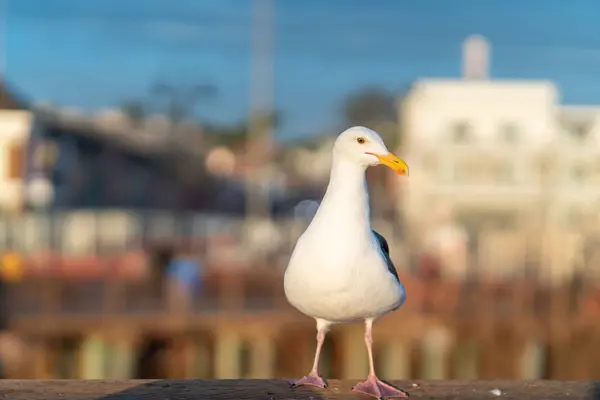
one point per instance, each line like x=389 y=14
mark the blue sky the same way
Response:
x=96 y=53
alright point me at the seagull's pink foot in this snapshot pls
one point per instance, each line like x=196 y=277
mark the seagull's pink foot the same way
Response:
x=380 y=390
x=311 y=380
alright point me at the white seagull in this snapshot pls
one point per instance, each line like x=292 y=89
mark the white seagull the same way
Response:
x=340 y=270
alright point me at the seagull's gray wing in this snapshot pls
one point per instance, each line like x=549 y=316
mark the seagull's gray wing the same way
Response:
x=385 y=251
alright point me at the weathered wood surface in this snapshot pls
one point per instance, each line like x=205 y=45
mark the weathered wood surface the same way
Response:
x=280 y=390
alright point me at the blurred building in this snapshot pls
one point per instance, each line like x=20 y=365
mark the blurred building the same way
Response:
x=104 y=161
x=504 y=161
x=15 y=124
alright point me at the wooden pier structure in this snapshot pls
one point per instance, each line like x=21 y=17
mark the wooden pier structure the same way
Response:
x=239 y=325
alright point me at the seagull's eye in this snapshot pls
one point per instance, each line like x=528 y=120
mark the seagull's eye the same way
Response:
x=361 y=140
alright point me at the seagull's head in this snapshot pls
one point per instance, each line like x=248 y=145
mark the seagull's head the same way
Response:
x=365 y=147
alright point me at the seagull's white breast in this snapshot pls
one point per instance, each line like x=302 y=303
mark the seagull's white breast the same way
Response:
x=338 y=274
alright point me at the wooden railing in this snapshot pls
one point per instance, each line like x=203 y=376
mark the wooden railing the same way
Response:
x=501 y=319
x=262 y=291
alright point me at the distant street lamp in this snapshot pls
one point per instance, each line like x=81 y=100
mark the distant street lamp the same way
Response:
x=258 y=168
x=261 y=116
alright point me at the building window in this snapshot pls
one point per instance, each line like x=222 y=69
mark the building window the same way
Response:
x=580 y=131
x=595 y=172
x=509 y=132
x=45 y=155
x=15 y=161
x=574 y=217
x=504 y=173
x=465 y=171
x=462 y=132
x=542 y=166
x=578 y=173
x=429 y=164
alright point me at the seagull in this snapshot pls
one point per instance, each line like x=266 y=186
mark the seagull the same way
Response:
x=340 y=270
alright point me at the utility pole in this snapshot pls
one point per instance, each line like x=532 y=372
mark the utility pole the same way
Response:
x=261 y=111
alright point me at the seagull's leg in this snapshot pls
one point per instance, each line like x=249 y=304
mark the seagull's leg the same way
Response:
x=313 y=378
x=372 y=386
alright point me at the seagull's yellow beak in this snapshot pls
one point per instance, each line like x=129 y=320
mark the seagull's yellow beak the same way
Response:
x=392 y=161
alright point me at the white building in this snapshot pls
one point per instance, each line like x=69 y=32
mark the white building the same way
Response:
x=15 y=127
x=512 y=165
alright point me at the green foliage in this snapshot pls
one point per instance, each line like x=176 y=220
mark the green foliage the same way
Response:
x=235 y=135
x=181 y=101
x=369 y=105
x=232 y=136
x=135 y=110
x=376 y=108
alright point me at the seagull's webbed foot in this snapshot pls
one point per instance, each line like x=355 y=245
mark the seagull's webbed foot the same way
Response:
x=312 y=379
x=380 y=390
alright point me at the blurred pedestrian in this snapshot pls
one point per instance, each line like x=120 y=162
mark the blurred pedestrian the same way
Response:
x=160 y=257
x=184 y=274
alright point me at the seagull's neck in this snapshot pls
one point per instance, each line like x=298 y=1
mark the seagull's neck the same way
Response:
x=346 y=200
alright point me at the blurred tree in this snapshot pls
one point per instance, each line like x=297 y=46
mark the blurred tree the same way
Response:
x=235 y=135
x=262 y=123
x=181 y=102
x=376 y=108
x=135 y=110
x=232 y=135
x=263 y=119
x=369 y=105
x=310 y=142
